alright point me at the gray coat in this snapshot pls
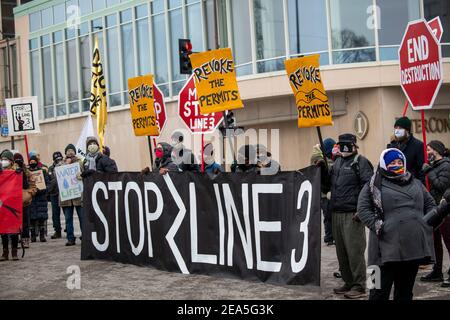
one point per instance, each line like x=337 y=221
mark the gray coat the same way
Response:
x=404 y=235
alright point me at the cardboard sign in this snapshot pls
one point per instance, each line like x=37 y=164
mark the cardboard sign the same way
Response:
x=23 y=117
x=310 y=96
x=39 y=180
x=141 y=97
x=69 y=185
x=215 y=80
x=10 y=202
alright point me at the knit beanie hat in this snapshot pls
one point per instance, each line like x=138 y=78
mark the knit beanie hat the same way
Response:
x=70 y=147
x=8 y=155
x=404 y=123
x=57 y=155
x=328 y=144
x=389 y=155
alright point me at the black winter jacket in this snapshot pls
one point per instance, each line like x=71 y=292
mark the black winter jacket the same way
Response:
x=439 y=178
x=103 y=163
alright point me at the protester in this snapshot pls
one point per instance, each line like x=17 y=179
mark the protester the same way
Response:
x=392 y=206
x=182 y=156
x=411 y=147
x=317 y=159
x=96 y=161
x=107 y=152
x=438 y=171
x=39 y=207
x=211 y=166
x=348 y=175
x=163 y=160
x=38 y=156
x=69 y=206
x=20 y=166
x=246 y=160
x=265 y=163
x=53 y=192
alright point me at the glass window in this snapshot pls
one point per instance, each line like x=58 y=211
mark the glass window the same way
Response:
x=97 y=24
x=72 y=67
x=48 y=79
x=111 y=20
x=351 y=56
x=174 y=3
x=160 y=49
x=143 y=44
x=98 y=5
x=210 y=25
x=35 y=73
x=84 y=28
x=127 y=54
x=126 y=16
x=86 y=6
x=35 y=21
x=57 y=36
x=195 y=31
x=71 y=33
x=112 y=2
x=45 y=40
x=307 y=32
x=192 y=1
x=441 y=8
x=59 y=71
x=241 y=33
x=269 y=29
x=47 y=17
x=61 y=110
x=394 y=16
x=349 y=24
x=85 y=61
x=34 y=43
x=157 y=6
x=141 y=11
x=176 y=32
x=112 y=41
x=74 y=107
x=59 y=13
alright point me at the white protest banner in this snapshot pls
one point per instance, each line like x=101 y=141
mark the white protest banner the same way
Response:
x=88 y=131
x=69 y=185
x=23 y=116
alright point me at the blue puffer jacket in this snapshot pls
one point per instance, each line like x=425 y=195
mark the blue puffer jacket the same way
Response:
x=38 y=207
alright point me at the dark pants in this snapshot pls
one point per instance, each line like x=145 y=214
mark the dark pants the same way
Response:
x=325 y=206
x=56 y=213
x=14 y=240
x=68 y=214
x=400 y=274
x=443 y=233
x=26 y=223
x=38 y=227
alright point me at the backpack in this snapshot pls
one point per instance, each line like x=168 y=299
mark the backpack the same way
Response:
x=355 y=167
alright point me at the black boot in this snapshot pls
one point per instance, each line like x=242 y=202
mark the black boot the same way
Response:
x=42 y=235
x=5 y=255
x=33 y=235
x=433 y=276
x=56 y=235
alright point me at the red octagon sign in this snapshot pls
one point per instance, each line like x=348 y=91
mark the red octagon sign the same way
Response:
x=189 y=111
x=420 y=65
x=160 y=108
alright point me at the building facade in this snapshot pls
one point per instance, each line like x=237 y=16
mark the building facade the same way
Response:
x=357 y=41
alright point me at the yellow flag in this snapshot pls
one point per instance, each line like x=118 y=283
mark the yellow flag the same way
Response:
x=310 y=96
x=215 y=81
x=98 y=94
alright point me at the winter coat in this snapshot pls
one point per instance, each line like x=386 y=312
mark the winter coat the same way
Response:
x=166 y=161
x=412 y=148
x=103 y=164
x=346 y=184
x=439 y=178
x=213 y=168
x=404 y=235
x=74 y=202
x=39 y=205
x=53 y=185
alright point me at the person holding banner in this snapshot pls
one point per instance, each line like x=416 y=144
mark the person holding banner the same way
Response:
x=96 y=161
x=39 y=206
x=246 y=160
x=182 y=156
x=211 y=166
x=266 y=165
x=392 y=206
x=163 y=160
x=53 y=193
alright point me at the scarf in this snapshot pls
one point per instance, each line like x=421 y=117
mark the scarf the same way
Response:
x=90 y=159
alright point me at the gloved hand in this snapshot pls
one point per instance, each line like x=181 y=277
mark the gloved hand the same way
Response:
x=87 y=173
x=435 y=217
x=426 y=167
x=145 y=170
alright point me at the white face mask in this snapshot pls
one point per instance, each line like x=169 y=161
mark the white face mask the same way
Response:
x=399 y=133
x=6 y=164
x=93 y=148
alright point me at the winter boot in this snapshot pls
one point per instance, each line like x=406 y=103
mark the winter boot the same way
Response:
x=433 y=276
x=5 y=255
x=14 y=254
x=42 y=235
x=33 y=235
x=26 y=243
x=70 y=243
x=56 y=235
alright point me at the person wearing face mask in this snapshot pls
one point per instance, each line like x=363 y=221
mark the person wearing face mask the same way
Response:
x=96 y=161
x=349 y=173
x=53 y=192
x=266 y=164
x=163 y=160
x=211 y=166
x=38 y=207
x=246 y=160
x=438 y=171
x=411 y=147
x=38 y=156
x=182 y=156
x=392 y=206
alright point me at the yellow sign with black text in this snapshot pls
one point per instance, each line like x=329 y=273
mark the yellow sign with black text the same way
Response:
x=141 y=98
x=215 y=81
x=310 y=96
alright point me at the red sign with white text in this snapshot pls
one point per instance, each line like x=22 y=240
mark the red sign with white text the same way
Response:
x=160 y=108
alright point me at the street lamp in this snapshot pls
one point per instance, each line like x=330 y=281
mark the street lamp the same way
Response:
x=10 y=86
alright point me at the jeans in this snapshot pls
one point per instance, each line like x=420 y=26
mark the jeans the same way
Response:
x=68 y=214
x=400 y=274
x=56 y=213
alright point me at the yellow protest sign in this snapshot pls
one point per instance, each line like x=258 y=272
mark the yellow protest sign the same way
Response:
x=215 y=81
x=141 y=98
x=310 y=96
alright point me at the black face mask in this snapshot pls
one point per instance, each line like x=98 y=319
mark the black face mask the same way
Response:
x=19 y=163
x=33 y=165
x=346 y=147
